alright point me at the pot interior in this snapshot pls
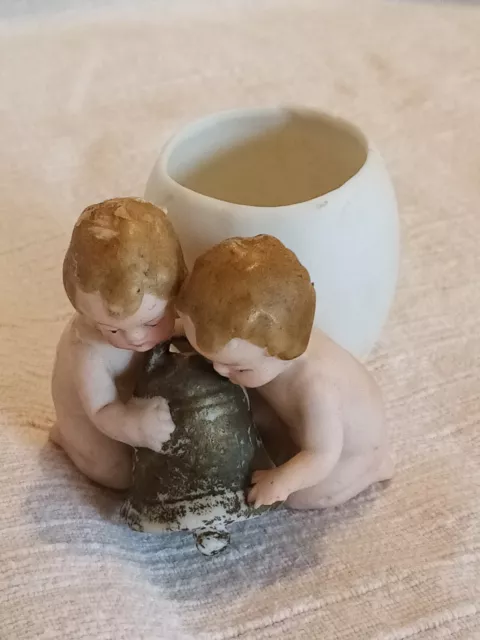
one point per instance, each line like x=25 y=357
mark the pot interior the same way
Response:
x=267 y=158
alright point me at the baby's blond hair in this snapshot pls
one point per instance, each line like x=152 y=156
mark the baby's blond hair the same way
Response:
x=254 y=289
x=123 y=248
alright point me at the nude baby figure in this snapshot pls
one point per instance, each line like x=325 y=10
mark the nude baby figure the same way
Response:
x=122 y=269
x=248 y=306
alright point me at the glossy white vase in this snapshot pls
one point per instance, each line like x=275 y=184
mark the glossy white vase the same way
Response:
x=313 y=181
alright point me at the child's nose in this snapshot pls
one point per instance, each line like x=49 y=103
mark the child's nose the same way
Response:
x=221 y=369
x=137 y=335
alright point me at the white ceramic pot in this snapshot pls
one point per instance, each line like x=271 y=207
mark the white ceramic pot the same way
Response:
x=313 y=181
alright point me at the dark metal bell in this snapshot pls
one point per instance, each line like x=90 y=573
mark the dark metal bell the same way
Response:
x=199 y=481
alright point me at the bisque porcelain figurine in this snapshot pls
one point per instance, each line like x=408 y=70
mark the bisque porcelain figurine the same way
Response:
x=121 y=272
x=199 y=481
x=248 y=307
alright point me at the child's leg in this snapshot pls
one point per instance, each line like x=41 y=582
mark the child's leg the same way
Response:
x=350 y=477
x=105 y=461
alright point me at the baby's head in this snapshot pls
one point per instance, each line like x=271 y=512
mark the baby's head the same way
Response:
x=122 y=270
x=248 y=306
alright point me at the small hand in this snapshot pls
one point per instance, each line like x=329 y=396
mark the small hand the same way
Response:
x=152 y=424
x=269 y=487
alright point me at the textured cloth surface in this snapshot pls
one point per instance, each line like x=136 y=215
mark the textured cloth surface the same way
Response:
x=86 y=100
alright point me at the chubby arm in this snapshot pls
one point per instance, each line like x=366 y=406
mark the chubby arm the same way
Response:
x=139 y=423
x=320 y=436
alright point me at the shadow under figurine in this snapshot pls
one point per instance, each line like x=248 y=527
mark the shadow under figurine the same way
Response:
x=198 y=482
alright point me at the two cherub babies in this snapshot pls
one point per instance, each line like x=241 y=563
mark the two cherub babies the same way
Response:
x=248 y=306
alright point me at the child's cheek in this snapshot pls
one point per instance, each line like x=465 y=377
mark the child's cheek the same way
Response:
x=244 y=379
x=253 y=380
x=106 y=334
x=115 y=339
x=164 y=329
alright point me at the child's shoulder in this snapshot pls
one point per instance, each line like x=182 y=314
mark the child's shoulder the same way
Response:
x=334 y=367
x=326 y=364
x=311 y=376
x=323 y=352
x=320 y=354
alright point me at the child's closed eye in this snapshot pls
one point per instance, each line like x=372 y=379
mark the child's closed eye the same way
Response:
x=154 y=323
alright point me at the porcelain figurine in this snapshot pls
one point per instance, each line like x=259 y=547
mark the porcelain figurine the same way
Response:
x=248 y=307
x=310 y=179
x=200 y=479
x=122 y=269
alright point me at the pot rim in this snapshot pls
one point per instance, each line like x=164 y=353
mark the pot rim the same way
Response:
x=195 y=126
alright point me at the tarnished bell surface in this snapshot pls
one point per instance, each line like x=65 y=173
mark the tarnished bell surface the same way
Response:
x=199 y=481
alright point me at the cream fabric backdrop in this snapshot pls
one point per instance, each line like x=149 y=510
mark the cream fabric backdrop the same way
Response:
x=86 y=99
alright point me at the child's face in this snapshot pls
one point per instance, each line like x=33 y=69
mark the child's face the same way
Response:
x=151 y=324
x=240 y=361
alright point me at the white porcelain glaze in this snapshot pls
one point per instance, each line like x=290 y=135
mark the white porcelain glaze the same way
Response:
x=313 y=181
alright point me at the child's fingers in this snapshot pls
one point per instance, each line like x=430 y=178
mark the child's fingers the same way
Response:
x=252 y=495
x=257 y=476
